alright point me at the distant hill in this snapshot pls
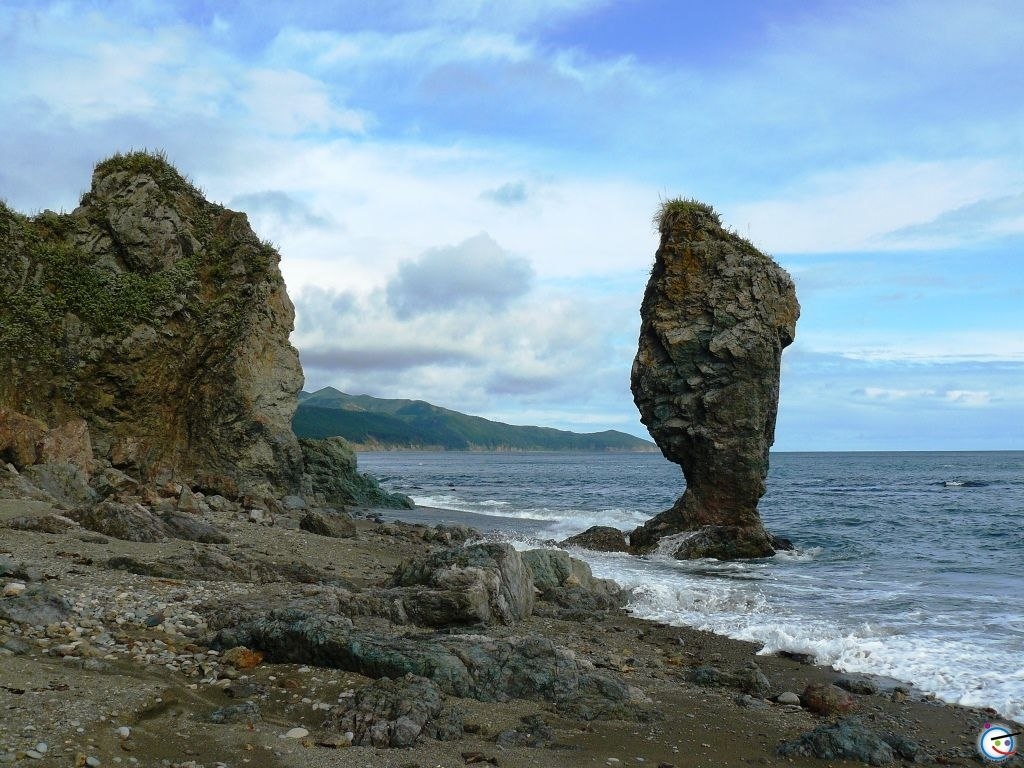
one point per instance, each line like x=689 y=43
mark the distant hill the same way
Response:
x=372 y=423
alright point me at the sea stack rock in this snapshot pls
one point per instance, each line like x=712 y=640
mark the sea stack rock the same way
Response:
x=162 y=320
x=715 y=318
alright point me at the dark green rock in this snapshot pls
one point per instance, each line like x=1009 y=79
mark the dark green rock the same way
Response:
x=331 y=474
x=846 y=740
x=466 y=666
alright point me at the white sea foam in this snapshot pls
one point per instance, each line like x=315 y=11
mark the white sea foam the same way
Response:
x=562 y=523
x=798 y=555
x=957 y=671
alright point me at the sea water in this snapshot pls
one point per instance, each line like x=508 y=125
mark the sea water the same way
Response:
x=907 y=565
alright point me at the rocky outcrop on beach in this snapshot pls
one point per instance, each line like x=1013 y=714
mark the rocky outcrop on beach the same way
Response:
x=715 y=318
x=161 y=321
x=330 y=476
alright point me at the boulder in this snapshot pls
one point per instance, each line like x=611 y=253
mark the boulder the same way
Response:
x=715 y=318
x=38 y=605
x=483 y=582
x=110 y=481
x=20 y=438
x=224 y=564
x=600 y=538
x=68 y=484
x=827 y=700
x=533 y=732
x=568 y=582
x=850 y=739
x=182 y=525
x=128 y=522
x=42 y=523
x=246 y=712
x=188 y=502
x=337 y=525
x=132 y=521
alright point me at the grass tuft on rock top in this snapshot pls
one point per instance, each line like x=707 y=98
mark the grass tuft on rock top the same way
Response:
x=152 y=163
x=674 y=210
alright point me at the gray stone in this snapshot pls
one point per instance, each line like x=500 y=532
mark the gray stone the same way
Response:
x=246 y=712
x=128 y=522
x=182 y=525
x=42 y=523
x=293 y=503
x=492 y=578
x=187 y=501
x=788 y=697
x=860 y=685
x=336 y=525
x=212 y=564
x=750 y=702
x=715 y=318
x=112 y=481
x=389 y=713
x=65 y=482
x=533 y=733
x=37 y=605
x=569 y=582
x=450 y=534
x=600 y=538
x=15 y=646
x=846 y=740
x=750 y=679
x=466 y=666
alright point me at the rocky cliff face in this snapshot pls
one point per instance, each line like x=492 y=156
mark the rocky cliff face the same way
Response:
x=162 y=320
x=716 y=316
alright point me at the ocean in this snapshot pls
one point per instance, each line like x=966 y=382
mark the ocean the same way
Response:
x=907 y=565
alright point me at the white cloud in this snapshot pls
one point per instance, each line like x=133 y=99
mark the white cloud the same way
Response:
x=857 y=209
x=968 y=397
x=428 y=47
x=881 y=346
x=882 y=393
x=976 y=221
x=477 y=274
x=289 y=102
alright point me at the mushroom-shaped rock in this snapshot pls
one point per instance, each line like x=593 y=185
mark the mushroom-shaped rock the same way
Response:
x=716 y=315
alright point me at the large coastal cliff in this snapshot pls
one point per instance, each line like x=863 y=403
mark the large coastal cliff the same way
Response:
x=160 y=319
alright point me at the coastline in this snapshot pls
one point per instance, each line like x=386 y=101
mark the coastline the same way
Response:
x=168 y=712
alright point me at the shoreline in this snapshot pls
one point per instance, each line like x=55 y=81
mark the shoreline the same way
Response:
x=486 y=523
x=140 y=681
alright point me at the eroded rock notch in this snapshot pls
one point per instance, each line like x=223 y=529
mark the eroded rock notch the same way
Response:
x=716 y=315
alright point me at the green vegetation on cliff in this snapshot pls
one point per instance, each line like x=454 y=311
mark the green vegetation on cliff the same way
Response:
x=414 y=424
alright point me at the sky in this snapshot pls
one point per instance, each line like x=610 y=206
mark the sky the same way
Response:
x=462 y=191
